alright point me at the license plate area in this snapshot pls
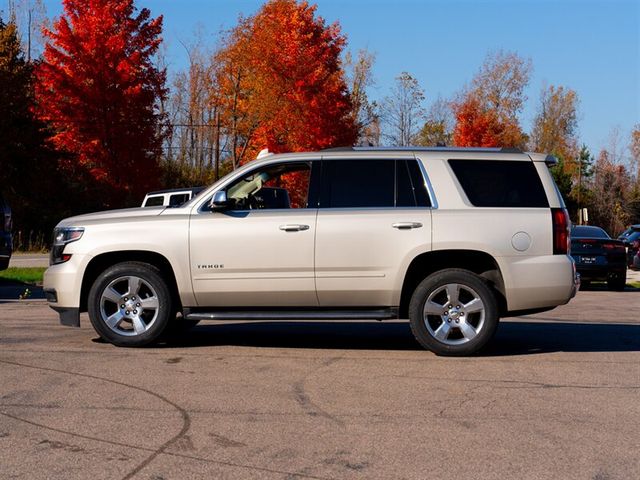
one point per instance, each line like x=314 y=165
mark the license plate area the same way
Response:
x=588 y=260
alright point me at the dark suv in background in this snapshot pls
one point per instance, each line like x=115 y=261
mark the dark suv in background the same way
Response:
x=631 y=239
x=5 y=234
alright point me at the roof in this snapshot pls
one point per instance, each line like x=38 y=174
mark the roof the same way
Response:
x=424 y=149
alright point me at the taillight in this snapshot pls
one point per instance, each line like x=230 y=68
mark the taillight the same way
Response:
x=561 y=228
x=613 y=246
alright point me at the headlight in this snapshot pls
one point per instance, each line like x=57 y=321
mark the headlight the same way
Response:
x=61 y=237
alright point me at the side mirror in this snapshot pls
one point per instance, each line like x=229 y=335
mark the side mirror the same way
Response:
x=219 y=201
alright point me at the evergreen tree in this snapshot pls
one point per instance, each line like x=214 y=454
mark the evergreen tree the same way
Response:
x=27 y=167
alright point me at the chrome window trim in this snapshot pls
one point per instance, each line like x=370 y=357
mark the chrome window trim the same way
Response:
x=427 y=183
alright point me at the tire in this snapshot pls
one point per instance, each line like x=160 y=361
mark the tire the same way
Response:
x=617 y=283
x=464 y=328
x=120 y=291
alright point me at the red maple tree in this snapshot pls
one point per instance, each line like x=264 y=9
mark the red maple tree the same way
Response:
x=482 y=127
x=281 y=81
x=99 y=90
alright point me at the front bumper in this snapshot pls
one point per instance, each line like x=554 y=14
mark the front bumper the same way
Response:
x=68 y=316
x=62 y=288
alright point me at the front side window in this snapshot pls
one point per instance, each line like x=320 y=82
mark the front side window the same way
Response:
x=279 y=186
x=372 y=184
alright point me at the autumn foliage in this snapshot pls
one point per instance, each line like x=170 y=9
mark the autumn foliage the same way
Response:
x=99 y=91
x=486 y=114
x=480 y=127
x=281 y=84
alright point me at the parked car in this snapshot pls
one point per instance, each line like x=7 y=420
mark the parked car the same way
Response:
x=452 y=239
x=598 y=257
x=6 y=240
x=631 y=239
x=170 y=198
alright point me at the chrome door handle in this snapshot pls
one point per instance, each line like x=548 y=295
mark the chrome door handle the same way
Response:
x=406 y=225
x=294 y=228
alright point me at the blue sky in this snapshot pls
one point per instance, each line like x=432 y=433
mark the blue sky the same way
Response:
x=590 y=46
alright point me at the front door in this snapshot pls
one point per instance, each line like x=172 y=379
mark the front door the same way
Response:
x=258 y=251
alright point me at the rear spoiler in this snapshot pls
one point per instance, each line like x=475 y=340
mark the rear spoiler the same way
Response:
x=549 y=160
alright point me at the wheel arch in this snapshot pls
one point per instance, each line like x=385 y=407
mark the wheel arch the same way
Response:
x=478 y=262
x=99 y=263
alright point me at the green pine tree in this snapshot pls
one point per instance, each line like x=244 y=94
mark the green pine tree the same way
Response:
x=28 y=169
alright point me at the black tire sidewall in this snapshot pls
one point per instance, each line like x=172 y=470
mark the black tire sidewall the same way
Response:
x=149 y=274
x=436 y=280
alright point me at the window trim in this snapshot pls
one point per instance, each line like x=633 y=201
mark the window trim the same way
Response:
x=427 y=182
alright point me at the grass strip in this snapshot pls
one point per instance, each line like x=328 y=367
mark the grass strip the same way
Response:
x=25 y=275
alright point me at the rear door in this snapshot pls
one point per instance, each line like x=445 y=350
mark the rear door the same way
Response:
x=374 y=217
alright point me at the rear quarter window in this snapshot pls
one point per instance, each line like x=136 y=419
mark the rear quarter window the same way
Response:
x=500 y=183
x=156 y=201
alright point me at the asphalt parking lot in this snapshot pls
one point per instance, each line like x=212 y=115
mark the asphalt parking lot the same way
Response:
x=557 y=395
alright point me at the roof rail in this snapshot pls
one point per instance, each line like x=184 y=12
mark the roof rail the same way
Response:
x=425 y=149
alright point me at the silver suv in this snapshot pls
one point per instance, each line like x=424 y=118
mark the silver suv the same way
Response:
x=452 y=239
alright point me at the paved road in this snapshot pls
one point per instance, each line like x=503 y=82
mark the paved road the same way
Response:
x=556 y=396
x=29 y=260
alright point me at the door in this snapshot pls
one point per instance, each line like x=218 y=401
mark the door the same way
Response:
x=374 y=218
x=258 y=250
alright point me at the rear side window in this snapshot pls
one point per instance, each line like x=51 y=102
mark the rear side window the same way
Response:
x=372 y=184
x=154 y=201
x=497 y=183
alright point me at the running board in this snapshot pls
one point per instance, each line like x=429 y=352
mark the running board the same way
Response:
x=373 y=314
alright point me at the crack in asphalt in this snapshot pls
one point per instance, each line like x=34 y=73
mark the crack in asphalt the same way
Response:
x=170 y=454
x=302 y=397
x=186 y=424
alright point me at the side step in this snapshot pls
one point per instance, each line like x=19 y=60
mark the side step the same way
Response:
x=317 y=314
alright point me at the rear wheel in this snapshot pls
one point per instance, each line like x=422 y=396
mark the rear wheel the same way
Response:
x=453 y=312
x=130 y=304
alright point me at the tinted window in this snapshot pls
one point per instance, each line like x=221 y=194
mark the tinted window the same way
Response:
x=419 y=185
x=154 y=201
x=373 y=183
x=588 y=232
x=411 y=190
x=358 y=183
x=178 y=199
x=405 y=196
x=494 y=183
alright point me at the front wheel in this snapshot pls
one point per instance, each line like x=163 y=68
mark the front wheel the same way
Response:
x=453 y=312
x=130 y=304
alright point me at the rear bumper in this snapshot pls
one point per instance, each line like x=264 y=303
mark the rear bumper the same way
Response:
x=601 y=272
x=539 y=281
